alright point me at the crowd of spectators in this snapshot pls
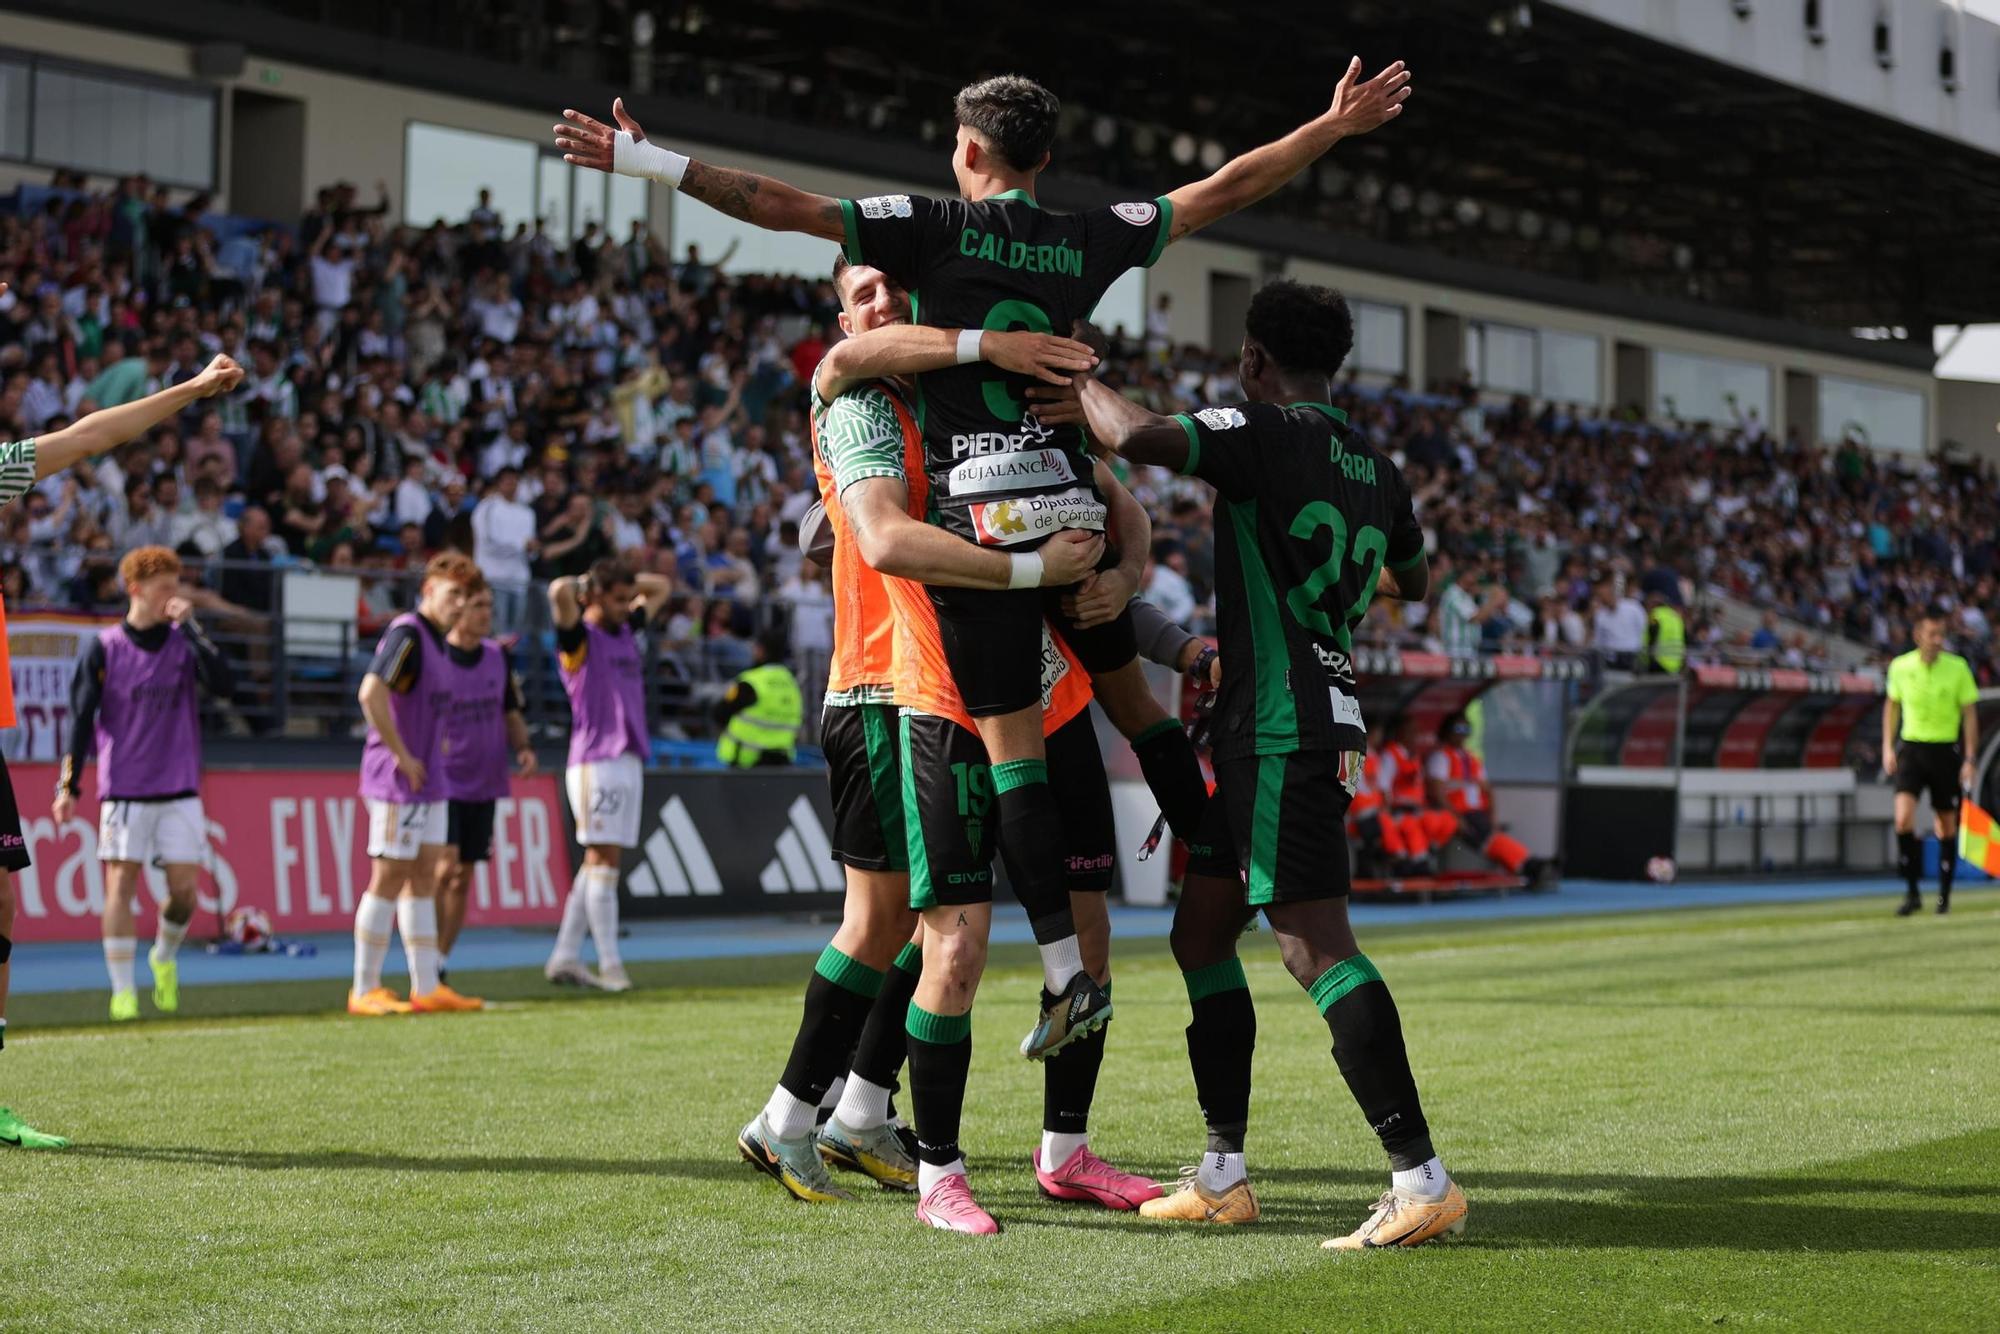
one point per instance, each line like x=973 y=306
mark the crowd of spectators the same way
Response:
x=543 y=403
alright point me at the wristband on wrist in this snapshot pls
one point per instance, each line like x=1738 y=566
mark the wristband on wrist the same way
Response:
x=968 y=345
x=1026 y=571
x=642 y=157
x=1197 y=671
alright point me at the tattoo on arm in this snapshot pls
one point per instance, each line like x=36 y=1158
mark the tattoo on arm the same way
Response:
x=722 y=188
x=829 y=216
x=961 y=920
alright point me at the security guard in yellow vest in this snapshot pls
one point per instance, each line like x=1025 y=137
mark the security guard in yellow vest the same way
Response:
x=1666 y=635
x=763 y=711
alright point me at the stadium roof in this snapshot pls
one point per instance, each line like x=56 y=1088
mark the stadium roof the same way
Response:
x=1560 y=157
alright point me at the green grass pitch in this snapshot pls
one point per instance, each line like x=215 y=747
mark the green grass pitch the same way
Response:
x=1787 y=1118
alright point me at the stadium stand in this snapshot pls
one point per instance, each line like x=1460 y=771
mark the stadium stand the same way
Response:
x=654 y=408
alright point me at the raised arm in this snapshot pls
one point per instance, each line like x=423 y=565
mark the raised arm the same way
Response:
x=564 y=604
x=758 y=200
x=1121 y=425
x=907 y=349
x=1357 y=108
x=653 y=590
x=108 y=428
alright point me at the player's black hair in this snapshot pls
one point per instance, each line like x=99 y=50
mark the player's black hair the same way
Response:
x=609 y=572
x=776 y=645
x=840 y=267
x=1304 y=328
x=1015 y=114
x=1933 y=612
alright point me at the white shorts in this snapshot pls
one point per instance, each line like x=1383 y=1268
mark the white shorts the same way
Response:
x=604 y=796
x=155 y=833
x=396 y=831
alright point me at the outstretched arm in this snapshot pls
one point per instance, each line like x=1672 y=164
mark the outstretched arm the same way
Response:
x=746 y=195
x=108 y=428
x=907 y=349
x=1357 y=108
x=1143 y=437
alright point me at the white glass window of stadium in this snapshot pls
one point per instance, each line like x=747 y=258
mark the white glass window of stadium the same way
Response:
x=14 y=80
x=1694 y=388
x=1501 y=357
x=1570 y=367
x=756 y=250
x=1877 y=415
x=114 y=125
x=1381 y=338
x=1122 y=308
x=552 y=195
x=444 y=169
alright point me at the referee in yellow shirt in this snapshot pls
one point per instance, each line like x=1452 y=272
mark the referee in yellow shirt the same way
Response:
x=1933 y=696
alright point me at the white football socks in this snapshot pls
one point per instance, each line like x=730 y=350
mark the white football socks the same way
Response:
x=600 y=905
x=1058 y=1148
x=788 y=1117
x=929 y=1174
x=1427 y=1182
x=569 y=936
x=373 y=921
x=418 y=919
x=118 y=952
x=1061 y=961
x=167 y=941
x=863 y=1105
x=1219 y=1171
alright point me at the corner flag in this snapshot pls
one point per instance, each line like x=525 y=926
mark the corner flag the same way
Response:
x=1978 y=838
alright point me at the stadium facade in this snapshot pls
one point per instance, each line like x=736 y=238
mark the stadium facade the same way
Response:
x=1482 y=262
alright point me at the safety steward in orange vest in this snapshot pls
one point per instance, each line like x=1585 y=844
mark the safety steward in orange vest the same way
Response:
x=1458 y=785
x=1374 y=830
x=1403 y=779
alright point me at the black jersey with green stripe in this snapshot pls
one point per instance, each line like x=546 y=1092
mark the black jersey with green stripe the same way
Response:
x=1306 y=515
x=1002 y=263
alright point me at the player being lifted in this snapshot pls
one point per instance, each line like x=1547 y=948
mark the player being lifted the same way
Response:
x=485 y=725
x=994 y=260
x=135 y=697
x=598 y=617
x=405 y=697
x=22 y=464
x=870 y=444
x=1309 y=518
x=858 y=997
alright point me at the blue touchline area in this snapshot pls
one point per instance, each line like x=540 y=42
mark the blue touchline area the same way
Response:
x=80 y=966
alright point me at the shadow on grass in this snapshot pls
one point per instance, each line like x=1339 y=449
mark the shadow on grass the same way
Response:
x=346 y=1160
x=1771 y=1213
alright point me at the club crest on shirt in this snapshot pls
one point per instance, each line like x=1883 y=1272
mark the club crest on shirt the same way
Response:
x=1137 y=214
x=886 y=206
x=1220 y=419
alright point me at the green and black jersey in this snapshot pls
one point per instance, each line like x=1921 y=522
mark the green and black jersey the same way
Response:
x=1306 y=516
x=1002 y=264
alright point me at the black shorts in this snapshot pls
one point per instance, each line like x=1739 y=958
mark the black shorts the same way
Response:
x=993 y=644
x=13 y=847
x=469 y=828
x=863 y=775
x=1279 y=823
x=953 y=820
x=1930 y=766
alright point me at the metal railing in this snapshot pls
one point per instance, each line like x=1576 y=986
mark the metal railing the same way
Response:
x=298 y=671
